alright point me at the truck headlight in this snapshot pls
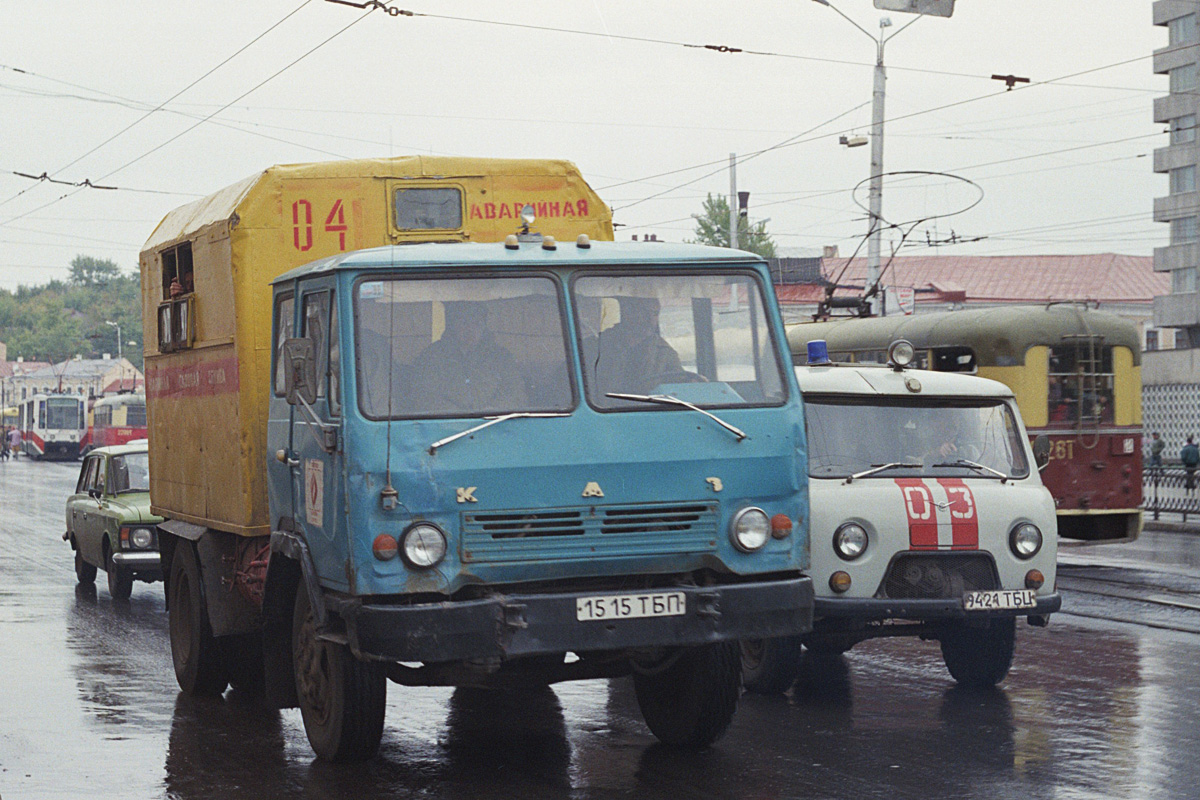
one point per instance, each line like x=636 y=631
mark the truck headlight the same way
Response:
x=141 y=538
x=1025 y=540
x=750 y=529
x=850 y=541
x=423 y=545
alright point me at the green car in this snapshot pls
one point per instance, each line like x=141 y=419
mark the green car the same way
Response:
x=109 y=524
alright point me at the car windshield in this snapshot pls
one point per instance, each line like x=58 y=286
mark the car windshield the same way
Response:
x=460 y=347
x=129 y=473
x=931 y=438
x=704 y=339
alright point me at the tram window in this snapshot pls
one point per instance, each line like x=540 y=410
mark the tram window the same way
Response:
x=428 y=209
x=1081 y=383
x=954 y=359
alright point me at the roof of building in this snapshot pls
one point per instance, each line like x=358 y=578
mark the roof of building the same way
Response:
x=75 y=369
x=1104 y=277
x=10 y=368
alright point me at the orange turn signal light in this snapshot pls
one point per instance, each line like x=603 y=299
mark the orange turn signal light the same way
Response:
x=1034 y=579
x=781 y=526
x=840 y=581
x=385 y=547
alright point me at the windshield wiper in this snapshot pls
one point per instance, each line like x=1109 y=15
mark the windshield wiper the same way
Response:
x=672 y=400
x=490 y=422
x=880 y=468
x=962 y=462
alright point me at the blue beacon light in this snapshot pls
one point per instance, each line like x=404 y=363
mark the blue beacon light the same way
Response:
x=818 y=353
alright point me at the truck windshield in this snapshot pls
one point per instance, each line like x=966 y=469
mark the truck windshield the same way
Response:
x=460 y=347
x=701 y=338
x=850 y=436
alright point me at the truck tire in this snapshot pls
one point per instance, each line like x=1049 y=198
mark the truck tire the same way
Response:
x=342 y=699
x=195 y=652
x=691 y=702
x=120 y=583
x=770 y=666
x=85 y=573
x=979 y=658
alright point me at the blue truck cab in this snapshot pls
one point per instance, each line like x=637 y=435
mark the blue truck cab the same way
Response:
x=530 y=461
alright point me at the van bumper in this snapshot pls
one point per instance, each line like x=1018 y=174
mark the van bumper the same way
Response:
x=510 y=625
x=872 y=608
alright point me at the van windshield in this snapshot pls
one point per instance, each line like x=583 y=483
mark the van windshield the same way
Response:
x=704 y=339
x=460 y=347
x=936 y=439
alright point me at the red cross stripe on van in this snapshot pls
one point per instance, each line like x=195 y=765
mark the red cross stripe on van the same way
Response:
x=941 y=514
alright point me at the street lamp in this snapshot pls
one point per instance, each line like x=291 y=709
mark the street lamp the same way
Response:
x=875 y=192
x=116 y=325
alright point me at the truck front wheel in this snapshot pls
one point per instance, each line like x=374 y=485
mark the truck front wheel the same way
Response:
x=342 y=699
x=770 y=666
x=197 y=657
x=979 y=658
x=690 y=701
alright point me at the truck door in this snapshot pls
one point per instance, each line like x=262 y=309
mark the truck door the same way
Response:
x=318 y=477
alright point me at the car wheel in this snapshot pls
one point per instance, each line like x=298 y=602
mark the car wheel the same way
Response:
x=199 y=668
x=979 y=658
x=120 y=582
x=770 y=666
x=342 y=699
x=690 y=702
x=85 y=573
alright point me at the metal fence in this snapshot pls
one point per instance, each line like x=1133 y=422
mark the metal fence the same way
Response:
x=1167 y=491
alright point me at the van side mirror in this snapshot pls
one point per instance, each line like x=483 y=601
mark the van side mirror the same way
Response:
x=300 y=371
x=1041 y=451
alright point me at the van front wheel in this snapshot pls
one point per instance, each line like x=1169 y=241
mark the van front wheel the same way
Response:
x=770 y=666
x=342 y=699
x=979 y=658
x=689 y=699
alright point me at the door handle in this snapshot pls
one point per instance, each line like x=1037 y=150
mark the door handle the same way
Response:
x=282 y=457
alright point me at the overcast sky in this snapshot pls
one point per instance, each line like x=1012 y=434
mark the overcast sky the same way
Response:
x=118 y=93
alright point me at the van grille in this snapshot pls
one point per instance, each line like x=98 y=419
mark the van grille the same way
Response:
x=929 y=576
x=588 y=532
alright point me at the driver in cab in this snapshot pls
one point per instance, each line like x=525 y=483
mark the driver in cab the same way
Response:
x=632 y=356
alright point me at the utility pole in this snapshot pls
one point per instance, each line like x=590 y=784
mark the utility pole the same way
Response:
x=733 y=221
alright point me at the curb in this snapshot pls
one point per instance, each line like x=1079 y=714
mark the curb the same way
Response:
x=1173 y=527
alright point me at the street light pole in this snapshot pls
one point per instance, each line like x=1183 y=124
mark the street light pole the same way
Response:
x=120 y=357
x=875 y=190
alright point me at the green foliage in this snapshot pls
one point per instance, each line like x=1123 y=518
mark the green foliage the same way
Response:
x=59 y=320
x=712 y=228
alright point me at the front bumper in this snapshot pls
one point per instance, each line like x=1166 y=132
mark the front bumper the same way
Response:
x=147 y=565
x=873 y=608
x=511 y=625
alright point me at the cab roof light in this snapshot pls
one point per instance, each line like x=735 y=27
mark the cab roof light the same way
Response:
x=583 y=242
x=511 y=242
x=818 y=353
x=548 y=243
x=901 y=353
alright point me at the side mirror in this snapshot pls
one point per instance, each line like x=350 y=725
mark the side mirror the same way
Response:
x=1041 y=451
x=300 y=371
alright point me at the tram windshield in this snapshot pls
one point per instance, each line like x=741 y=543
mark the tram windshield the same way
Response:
x=62 y=413
x=970 y=439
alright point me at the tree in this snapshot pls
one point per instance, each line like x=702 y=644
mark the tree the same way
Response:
x=88 y=271
x=712 y=228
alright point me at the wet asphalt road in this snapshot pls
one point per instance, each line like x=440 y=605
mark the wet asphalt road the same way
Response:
x=1092 y=708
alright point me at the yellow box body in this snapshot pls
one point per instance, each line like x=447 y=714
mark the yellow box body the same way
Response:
x=206 y=403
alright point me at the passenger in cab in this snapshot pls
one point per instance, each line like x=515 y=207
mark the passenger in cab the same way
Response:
x=466 y=370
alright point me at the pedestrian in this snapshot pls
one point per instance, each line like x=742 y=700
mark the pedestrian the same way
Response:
x=1156 y=450
x=14 y=441
x=1190 y=456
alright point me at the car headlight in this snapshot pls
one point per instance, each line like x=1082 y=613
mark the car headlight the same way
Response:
x=423 y=545
x=1025 y=540
x=850 y=541
x=750 y=529
x=141 y=538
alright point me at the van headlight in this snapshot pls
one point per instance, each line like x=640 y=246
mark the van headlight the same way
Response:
x=850 y=541
x=750 y=529
x=423 y=545
x=1025 y=540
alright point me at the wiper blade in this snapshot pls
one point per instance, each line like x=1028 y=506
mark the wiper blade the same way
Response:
x=490 y=422
x=672 y=400
x=879 y=468
x=962 y=462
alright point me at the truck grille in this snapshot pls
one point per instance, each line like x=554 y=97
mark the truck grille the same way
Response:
x=588 y=532
x=936 y=576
